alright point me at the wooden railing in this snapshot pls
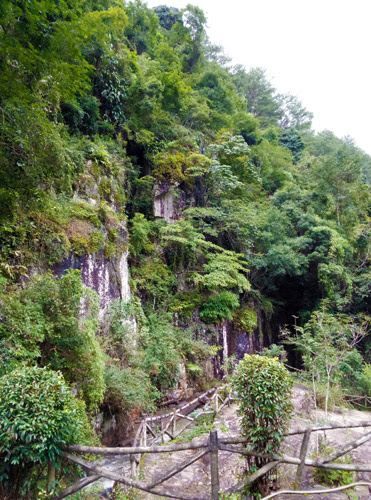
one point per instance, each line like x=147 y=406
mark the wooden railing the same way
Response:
x=212 y=445
x=153 y=430
x=359 y=401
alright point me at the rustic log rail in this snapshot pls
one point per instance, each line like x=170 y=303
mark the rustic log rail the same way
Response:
x=213 y=444
x=359 y=401
x=154 y=429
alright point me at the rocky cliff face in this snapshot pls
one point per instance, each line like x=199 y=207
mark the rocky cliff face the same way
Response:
x=169 y=201
x=238 y=343
x=108 y=277
x=107 y=274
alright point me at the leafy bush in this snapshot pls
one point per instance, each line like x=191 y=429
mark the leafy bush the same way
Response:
x=153 y=278
x=38 y=416
x=336 y=396
x=164 y=347
x=332 y=477
x=140 y=234
x=224 y=269
x=274 y=351
x=185 y=303
x=245 y=319
x=364 y=381
x=128 y=388
x=42 y=323
x=263 y=387
x=219 y=307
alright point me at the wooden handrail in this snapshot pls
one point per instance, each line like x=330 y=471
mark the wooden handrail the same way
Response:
x=211 y=445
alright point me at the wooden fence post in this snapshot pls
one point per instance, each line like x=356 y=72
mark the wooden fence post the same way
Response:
x=174 y=423
x=145 y=432
x=133 y=466
x=302 y=455
x=162 y=431
x=214 y=466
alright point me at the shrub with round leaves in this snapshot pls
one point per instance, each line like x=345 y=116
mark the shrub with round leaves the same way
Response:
x=38 y=415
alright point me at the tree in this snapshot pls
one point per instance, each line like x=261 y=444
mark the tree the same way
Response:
x=194 y=20
x=263 y=387
x=293 y=113
x=38 y=416
x=325 y=342
x=168 y=16
x=260 y=95
x=142 y=29
x=337 y=179
x=290 y=139
x=209 y=265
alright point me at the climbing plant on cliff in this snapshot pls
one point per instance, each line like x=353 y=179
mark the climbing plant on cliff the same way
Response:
x=263 y=387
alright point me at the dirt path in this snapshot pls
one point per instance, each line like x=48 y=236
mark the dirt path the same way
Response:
x=195 y=481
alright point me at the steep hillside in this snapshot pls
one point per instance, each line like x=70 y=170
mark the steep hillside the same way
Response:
x=161 y=211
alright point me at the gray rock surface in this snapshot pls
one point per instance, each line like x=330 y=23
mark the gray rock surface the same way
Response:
x=195 y=480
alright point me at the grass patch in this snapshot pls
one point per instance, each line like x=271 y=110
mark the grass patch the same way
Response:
x=203 y=425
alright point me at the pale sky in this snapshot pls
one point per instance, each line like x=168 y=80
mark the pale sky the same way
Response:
x=318 y=50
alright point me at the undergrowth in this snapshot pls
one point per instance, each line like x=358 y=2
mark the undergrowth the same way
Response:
x=203 y=425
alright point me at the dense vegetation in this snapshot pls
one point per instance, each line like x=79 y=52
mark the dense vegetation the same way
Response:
x=264 y=389
x=107 y=105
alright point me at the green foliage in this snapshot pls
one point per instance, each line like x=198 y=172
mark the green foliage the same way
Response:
x=164 y=347
x=128 y=389
x=263 y=387
x=203 y=425
x=224 y=270
x=332 y=477
x=273 y=163
x=230 y=496
x=154 y=279
x=41 y=324
x=141 y=230
x=327 y=342
x=140 y=368
x=186 y=303
x=364 y=381
x=86 y=241
x=329 y=398
x=38 y=416
x=290 y=139
x=274 y=351
x=245 y=319
x=100 y=103
x=219 y=307
x=259 y=93
x=168 y=16
x=176 y=167
x=294 y=117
